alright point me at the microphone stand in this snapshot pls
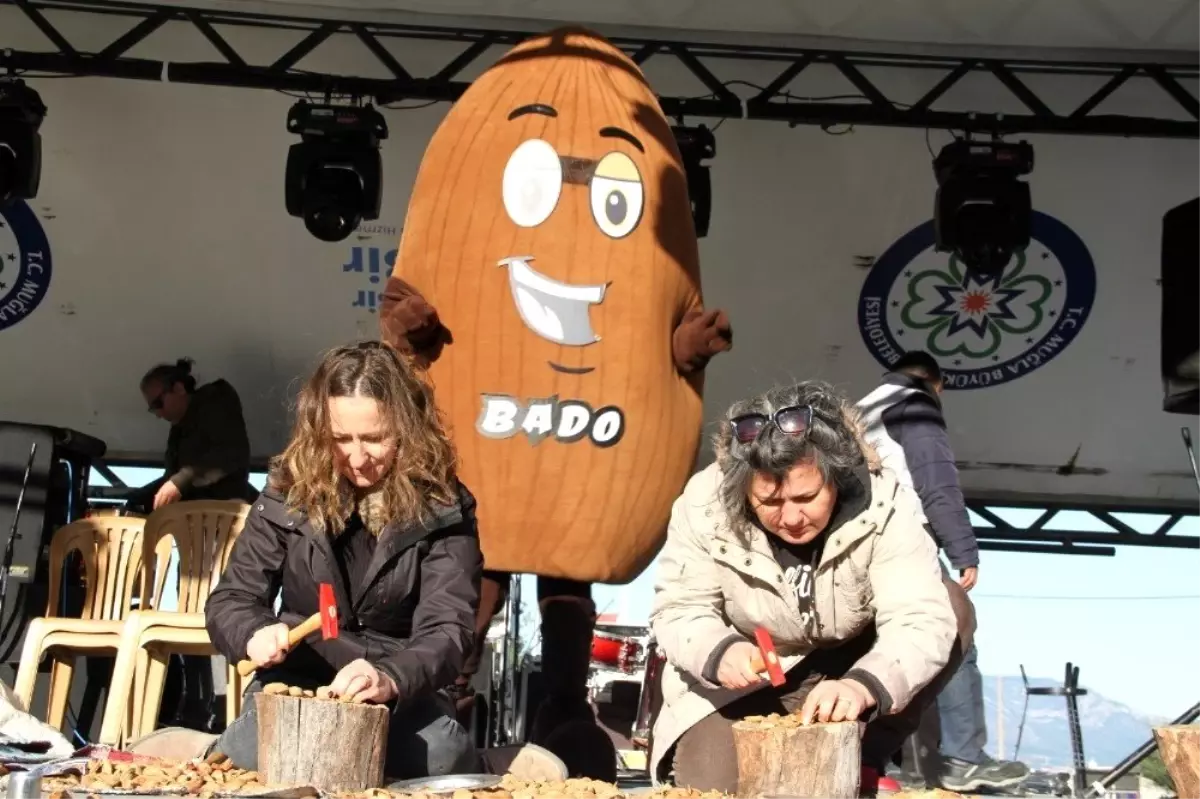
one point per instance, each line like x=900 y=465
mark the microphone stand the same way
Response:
x=12 y=533
x=1187 y=444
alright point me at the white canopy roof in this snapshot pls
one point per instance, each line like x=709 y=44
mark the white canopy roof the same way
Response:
x=1155 y=25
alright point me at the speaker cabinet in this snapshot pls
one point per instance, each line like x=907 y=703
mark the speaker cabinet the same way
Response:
x=55 y=495
x=1181 y=309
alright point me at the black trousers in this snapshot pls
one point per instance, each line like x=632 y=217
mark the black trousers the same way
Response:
x=494 y=593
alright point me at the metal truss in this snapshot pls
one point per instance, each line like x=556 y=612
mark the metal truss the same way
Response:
x=1005 y=536
x=1002 y=536
x=871 y=106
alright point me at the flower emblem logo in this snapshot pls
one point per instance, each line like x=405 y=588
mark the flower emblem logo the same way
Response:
x=25 y=263
x=984 y=330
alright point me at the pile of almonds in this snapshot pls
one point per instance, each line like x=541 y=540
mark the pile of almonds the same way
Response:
x=197 y=778
x=282 y=689
x=775 y=720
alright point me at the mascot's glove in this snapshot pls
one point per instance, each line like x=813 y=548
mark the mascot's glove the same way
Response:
x=410 y=324
x=700 y=336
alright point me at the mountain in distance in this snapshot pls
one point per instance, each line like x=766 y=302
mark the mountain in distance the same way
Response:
x=1111 y=730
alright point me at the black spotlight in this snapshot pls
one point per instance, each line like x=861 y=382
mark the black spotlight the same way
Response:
x=697 y=145
x=334 y=174
x=983 y=211
x=21 y=114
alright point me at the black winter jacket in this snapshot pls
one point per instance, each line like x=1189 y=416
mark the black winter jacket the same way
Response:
x=410 y=612
x=904 y=422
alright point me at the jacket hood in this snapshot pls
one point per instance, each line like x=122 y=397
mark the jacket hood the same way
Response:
x=916 y=383
x=854 y=421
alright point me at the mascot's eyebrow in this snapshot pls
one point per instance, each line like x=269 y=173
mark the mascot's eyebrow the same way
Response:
x=618 y=133
x=532 y=108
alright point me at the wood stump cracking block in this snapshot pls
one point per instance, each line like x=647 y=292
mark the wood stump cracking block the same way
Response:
x=778 y=757
x=1179 y=747
x=329 y=745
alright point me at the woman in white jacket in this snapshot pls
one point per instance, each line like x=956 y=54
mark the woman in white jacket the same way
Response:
x=797 y=529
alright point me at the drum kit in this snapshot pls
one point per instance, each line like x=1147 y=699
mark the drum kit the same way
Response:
x=621 y=652
x=629 y=655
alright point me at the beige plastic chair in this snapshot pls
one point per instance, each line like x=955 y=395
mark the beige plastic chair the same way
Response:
x=204 y=532
x=111 y=551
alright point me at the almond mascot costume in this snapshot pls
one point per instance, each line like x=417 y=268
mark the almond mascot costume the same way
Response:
x=548 y=274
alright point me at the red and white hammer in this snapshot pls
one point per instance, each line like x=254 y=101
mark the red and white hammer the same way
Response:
x=767 y=660
x=325 y=620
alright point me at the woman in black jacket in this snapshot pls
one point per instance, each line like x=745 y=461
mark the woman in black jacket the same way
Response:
x=365 y=498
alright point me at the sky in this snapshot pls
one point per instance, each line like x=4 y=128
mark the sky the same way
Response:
x=1131 y=622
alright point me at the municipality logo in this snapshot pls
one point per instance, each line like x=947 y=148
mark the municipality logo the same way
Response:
x=24 y=263
x=983 y=331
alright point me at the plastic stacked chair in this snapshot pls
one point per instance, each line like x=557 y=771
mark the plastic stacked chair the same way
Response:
x=110 y=550
x=204 y=532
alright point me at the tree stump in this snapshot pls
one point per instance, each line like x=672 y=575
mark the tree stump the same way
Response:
x=1180 y=750
x=777 y=756
x=322 y=743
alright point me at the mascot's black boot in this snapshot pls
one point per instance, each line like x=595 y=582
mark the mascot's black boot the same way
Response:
x=565 y=723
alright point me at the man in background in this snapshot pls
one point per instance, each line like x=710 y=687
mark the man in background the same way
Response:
x=208 y=449
x=904 y=423
x=207 y=457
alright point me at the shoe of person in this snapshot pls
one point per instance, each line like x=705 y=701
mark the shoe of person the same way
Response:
x=874 y=784
x=586 y=749
x=173 y=743
x=910 y=780
x=959 y=775
x=525 y=762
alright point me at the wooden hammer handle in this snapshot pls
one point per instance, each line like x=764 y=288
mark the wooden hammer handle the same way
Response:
x=759 y=664
x=295 y=635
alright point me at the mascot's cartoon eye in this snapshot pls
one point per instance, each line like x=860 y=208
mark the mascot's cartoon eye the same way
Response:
x=532 y=183
x=617 y=195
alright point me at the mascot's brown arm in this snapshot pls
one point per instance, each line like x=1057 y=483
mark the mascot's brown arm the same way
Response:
x=410 y=324
x=699 y=336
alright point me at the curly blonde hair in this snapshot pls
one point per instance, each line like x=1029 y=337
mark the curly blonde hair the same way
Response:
x=423 y=467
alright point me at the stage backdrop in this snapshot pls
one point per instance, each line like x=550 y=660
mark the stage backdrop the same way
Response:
x=160 y=232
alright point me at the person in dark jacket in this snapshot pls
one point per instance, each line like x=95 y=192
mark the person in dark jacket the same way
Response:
x=208 y=451
x=365 y=498
x=905 y=425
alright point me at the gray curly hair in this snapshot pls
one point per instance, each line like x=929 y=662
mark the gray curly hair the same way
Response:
x=834 y=443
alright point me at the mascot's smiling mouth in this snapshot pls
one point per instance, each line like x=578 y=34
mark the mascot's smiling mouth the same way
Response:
x=556 y=311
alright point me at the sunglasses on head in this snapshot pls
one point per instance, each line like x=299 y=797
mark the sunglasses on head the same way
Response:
x=794 y=420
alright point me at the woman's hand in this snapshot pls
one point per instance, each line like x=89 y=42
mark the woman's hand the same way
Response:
x=734 y=671
x=835 y=700
x=268 y=646
x=359 y=681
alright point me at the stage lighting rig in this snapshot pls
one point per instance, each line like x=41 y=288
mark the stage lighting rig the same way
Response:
x=983 y=211
x=697 y=145
x=21 y=114
x=334 y=174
